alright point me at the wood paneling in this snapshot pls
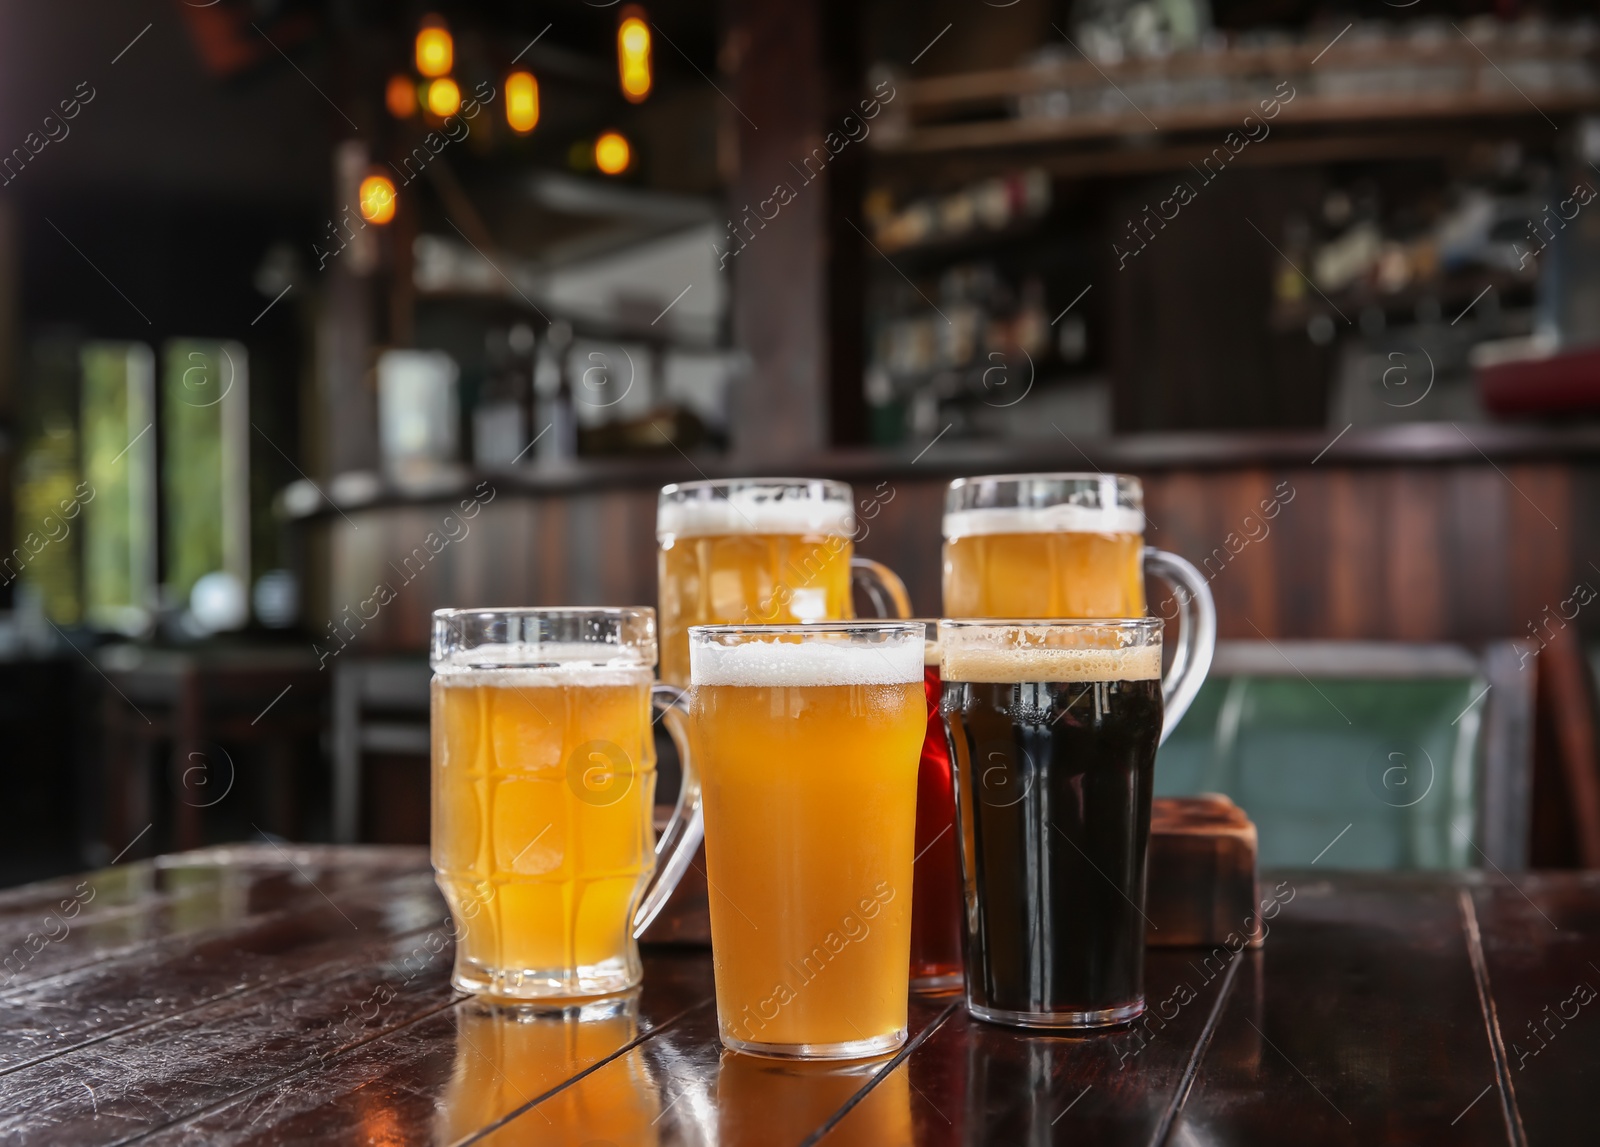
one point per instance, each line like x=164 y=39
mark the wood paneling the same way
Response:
x=1449 y=552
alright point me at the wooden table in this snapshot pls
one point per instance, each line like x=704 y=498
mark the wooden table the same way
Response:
x=259 y=995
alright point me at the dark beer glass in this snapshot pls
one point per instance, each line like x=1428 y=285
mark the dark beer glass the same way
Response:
x=1053 y=728
x=936 y=875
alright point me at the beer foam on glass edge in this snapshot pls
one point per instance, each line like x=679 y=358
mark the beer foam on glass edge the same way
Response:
x=1006 y=654
x=545 y=664
x=771 y=661
x=754 y=510
x=1059 y=519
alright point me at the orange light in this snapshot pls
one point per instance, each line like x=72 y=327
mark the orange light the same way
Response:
x=522 y=102
x=612 y=153
x=633 y=54
x=444 y=98
x=401 y=96
x=377 y=199
x=436 y=51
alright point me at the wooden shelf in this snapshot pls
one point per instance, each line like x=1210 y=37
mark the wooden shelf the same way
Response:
x=1455 y=291
x=1451 y=81
x=583 y=326
x=1276 y=62
x=1305 y=110
x=1418 y=443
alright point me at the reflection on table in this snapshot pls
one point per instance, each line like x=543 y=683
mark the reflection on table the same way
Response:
x=507 y=1056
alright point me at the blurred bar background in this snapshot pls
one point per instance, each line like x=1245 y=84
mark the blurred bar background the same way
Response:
x=318 y=315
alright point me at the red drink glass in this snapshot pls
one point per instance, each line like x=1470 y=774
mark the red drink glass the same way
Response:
x=936 y=932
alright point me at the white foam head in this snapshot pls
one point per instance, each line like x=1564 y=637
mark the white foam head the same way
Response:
x=1059 y=519
x=795 y=663
x=989 y=664
x=551 y=663
x=755 y=510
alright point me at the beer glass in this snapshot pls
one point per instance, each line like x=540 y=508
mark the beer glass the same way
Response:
x=1054 y=727
x=808 y=738
x=544 y=776
x=936 y=890
x=1071 y=545
x=755 y=551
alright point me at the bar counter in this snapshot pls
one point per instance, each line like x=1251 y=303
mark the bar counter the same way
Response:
x=288 y=994
x=1421 y=532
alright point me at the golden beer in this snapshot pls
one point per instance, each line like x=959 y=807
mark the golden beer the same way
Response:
x=544 y=783
x=1044 y=574
x=808 y=745
x=1044 y=545
x=1071 y=546
x=755 y=552
x=544 y=776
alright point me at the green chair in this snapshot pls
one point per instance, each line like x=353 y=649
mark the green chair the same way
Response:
x=1365 y=754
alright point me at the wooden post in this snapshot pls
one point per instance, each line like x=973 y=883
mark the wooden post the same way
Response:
x=787 y=219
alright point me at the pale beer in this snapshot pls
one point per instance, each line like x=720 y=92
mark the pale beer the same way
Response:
x=759 y=551
x=808 y=740
x=1066 y=559
x=544 y=776
x=1072 y=546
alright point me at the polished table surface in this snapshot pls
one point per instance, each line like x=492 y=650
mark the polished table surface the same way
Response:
x=259 y=994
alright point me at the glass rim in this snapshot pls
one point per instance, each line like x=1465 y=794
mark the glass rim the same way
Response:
x=537 y=637
x=1061 y=502
x=631 y=611
x=1047 y=476
x=1144 y=624
x=862 y=625
x=713 y=483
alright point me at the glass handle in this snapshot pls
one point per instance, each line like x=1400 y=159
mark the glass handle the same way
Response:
x=685 y=829
x=883 y=586
x=1197 y=633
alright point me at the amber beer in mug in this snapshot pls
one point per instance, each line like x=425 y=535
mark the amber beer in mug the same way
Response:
x=808 y=738
x=544 y=776
x=757 y=551
x=1071 y=546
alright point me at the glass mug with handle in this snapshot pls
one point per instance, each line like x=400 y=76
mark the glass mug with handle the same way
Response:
x=1071 y=546
x=760 y=551
x=543 y=789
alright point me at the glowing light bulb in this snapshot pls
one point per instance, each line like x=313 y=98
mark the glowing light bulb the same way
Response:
x=444 y=97
x=436 y=51
x=401 y=97
x=612 y=153
x=522 y=102
x=633 y=55
x=378 y=199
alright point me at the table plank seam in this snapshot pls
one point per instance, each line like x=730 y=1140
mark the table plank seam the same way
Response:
x=318 y=1062
x=637 y=1041
x=884 y=1073
x=1180 y=1094
x=211 y=1001
x=1515 y=1134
